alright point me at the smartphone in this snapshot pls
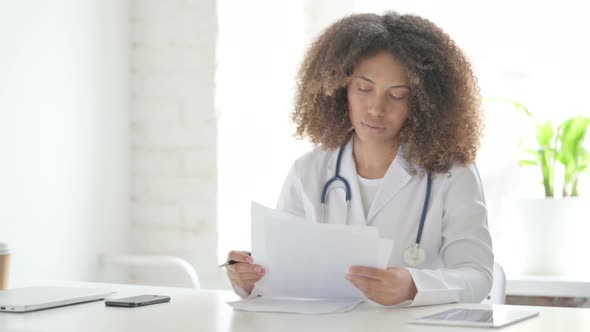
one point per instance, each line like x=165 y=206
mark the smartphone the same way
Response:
x=137 y=301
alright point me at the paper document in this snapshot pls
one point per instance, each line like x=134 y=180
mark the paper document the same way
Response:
x=300 y=306
x=309 y=260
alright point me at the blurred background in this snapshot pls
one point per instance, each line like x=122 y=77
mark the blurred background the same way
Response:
x=148 y=126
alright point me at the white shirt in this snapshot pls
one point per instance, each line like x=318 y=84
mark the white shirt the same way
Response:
x=368 y=188
x=459 y=262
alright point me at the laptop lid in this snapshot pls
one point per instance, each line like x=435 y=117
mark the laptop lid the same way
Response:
x=36 y=298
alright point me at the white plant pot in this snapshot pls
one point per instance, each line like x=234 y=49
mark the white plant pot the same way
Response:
x=550 y=236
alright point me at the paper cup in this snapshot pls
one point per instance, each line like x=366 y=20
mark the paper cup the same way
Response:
x=4 y=265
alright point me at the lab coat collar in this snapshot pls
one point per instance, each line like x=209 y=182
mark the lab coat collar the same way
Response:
x=398 y=175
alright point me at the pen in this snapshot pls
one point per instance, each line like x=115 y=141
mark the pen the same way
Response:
x=231 y=261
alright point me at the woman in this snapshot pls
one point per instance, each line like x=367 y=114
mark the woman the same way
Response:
x=397 y=99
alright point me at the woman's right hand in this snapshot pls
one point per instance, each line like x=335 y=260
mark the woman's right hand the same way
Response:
x=243 y=274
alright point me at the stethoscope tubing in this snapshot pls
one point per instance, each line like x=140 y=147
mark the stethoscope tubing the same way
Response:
x=424 y=209
x=336 y=177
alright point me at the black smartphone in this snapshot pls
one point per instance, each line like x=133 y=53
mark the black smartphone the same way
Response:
x=137 y=301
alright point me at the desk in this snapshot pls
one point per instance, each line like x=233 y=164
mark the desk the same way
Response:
x=196 y=311
x=548 y=291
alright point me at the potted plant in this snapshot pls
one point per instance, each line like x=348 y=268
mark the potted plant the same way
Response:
x=553 y=229
x=564 y=146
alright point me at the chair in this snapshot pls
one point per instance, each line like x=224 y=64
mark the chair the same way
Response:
x=156 y=269
x=498 y=292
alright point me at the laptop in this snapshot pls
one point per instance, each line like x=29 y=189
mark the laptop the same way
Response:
x=36 y=298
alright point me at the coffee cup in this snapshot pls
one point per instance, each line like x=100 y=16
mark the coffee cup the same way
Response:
x=4 y=265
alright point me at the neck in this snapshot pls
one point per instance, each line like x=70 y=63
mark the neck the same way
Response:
x=373 y=159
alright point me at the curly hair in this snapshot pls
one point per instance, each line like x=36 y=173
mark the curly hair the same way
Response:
x=445 y=121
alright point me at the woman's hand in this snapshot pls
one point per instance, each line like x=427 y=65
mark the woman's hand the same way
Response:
x=387 y=287
x=243 y=274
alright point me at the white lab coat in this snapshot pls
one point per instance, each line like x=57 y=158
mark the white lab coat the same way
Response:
x=456 y=238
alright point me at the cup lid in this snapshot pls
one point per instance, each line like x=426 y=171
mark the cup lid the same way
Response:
x=3 y=248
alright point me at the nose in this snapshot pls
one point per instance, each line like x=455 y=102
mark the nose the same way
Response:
x=377 y=106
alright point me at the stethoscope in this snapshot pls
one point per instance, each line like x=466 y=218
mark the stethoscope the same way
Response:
x=414 y=254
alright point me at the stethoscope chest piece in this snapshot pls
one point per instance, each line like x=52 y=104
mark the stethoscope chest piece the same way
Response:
x=414 y=255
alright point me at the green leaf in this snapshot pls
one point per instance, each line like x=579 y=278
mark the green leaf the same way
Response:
x=545 y=133
x=535 y=154
x=520 y=107
x=570 y=151
x=528 y=163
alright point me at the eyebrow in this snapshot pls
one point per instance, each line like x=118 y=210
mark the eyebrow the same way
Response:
x=393 y=86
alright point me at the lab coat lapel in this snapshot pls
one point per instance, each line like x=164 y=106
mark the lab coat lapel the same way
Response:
x=348 y=171
x=396 y=177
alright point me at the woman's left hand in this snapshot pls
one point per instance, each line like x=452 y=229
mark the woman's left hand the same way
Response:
x=387 y=287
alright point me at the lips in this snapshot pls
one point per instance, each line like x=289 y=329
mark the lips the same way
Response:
x=373 y=126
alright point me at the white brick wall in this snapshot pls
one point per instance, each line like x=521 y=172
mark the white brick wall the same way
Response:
x=174 y=131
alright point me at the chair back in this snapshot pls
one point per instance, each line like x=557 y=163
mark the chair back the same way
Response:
x=154 y=270
x=498 y=293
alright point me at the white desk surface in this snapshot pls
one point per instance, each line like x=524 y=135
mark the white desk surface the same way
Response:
x=194 y=310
